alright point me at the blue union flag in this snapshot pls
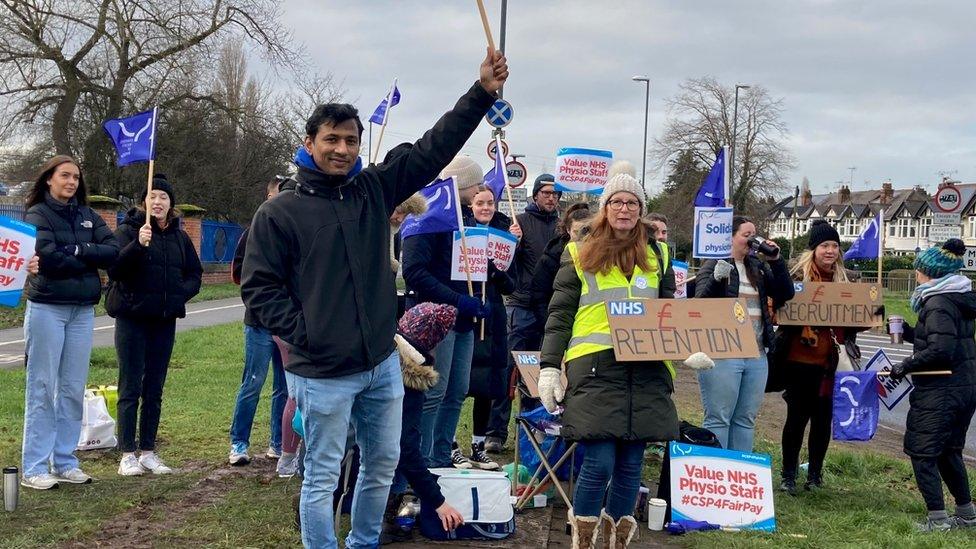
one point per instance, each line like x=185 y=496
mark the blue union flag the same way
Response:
x=134 y=137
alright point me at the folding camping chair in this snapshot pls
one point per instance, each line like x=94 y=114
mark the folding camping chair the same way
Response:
x=530 y=385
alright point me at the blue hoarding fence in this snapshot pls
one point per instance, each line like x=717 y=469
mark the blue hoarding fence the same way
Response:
x=218 y=240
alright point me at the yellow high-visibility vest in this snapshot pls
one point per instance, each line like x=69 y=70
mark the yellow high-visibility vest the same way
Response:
x=591 y=327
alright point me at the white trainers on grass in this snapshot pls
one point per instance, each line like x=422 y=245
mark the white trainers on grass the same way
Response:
x=74 y=476
x=130 y=467
x=44 y=481
x=151 y=462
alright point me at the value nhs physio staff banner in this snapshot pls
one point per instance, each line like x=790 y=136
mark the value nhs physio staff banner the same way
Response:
x=713 y=233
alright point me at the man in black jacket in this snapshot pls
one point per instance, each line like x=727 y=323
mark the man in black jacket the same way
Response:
x=316 y=274
x=538 y=223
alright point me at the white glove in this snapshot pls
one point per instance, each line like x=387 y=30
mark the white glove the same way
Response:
x=551 y=391
x=700 y=361
x=722 y=270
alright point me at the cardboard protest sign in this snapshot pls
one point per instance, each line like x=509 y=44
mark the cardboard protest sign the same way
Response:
x=529 y=365
x=713 y=233
x=668 y=329
x=582 y=170
x=501 y=248
x=477 y=240
x=890 y=391
x=16 y=248
x=841 y=304
x=680 y=276
x=724 y=487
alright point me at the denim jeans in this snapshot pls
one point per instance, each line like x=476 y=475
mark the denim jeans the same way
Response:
x=259 y=350
x=372 y=401
x=615 y=462
x=59 y=343
x=443 y=401
x=732 y=393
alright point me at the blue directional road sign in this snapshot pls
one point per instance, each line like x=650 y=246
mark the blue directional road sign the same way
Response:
x=500 y=114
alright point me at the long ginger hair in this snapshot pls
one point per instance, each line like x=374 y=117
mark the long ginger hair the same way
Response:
x=602 y=250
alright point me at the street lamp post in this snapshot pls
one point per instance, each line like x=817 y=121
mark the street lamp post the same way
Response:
x=735 y=133
x=647 y=106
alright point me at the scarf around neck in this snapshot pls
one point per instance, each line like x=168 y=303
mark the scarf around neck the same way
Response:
x=949 y=284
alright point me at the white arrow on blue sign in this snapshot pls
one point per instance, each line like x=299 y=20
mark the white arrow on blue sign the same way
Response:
x=500 y=114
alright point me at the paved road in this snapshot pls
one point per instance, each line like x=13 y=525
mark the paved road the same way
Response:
x=895 y=419
x=198 y=315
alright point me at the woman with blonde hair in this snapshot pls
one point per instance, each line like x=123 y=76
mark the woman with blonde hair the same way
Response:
x=809 y=357
x=611 y=408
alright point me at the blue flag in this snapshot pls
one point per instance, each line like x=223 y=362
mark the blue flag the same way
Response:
x=497 y=177
x=134 y=137
x=442 y=210
x=379 y=115
x=866 y=245
x=711 y=194
x=855 y=405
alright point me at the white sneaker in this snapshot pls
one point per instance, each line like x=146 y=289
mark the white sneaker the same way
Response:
x=287 y=465
x=44 y=481
x=238 y=455
x=272 y=453
x=458 y=459
x=74 y=476
x=151 y=462
x=130 y=467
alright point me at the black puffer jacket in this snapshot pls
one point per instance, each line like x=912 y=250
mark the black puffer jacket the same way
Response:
x=317 y=267
x=774 y=282
x=69 y=279
x=605 y=399
x=538 y=228
x=940 y=405
x=154 y=282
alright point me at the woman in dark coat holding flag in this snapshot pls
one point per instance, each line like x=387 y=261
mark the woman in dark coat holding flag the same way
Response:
x=157 y=272
x=942 y=406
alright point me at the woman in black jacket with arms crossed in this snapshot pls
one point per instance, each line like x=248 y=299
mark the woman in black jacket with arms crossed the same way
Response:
x=157 y=272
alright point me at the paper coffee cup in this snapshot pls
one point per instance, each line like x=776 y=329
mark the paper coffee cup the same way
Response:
x=896 y=324
x=656 y=508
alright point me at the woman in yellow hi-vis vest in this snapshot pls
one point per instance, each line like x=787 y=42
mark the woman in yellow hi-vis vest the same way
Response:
x=612 y=408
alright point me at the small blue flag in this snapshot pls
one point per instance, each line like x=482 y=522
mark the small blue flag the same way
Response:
x=855 y=405
x=442 y=210
x=497 y=177
x=866 y=245
x=379 y=115
x=711 y=194
x=134 y=137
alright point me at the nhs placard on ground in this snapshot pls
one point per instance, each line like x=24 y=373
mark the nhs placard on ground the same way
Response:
x=713 y=233
x=724 y=487
x=582 y=170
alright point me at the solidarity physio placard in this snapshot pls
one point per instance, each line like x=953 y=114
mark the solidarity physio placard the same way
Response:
x=724 y=487
x=713 y=233
x=16 y=248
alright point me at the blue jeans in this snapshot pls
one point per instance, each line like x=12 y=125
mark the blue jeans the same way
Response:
x=372 y=401
x=732 y=393
x=259 y=350
x=59 y=343
x=443 y=401
x=615 y=462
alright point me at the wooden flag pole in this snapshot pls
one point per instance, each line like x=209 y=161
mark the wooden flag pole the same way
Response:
x=484 y=22
x=152 y=165
x=386 y=118
x=881 y=237
x=484 y=293
x=464 y=241
x=511 y=203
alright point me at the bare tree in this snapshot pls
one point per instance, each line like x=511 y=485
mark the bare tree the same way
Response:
x=58 y=57
x=701 y=121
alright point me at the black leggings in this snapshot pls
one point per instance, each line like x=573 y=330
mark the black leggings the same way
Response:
x=480 y=415
x=930 y=473
x=805 y=405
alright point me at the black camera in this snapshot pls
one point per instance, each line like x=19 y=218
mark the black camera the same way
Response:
x=762 y=246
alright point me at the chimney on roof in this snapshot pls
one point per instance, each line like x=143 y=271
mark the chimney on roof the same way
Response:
x=887 y=193
x=845 y=194
x=807 y=199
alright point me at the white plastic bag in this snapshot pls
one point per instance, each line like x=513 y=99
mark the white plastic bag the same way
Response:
x=97 y=425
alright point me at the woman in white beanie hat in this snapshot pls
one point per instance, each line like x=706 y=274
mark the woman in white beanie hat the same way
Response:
x=611 y=408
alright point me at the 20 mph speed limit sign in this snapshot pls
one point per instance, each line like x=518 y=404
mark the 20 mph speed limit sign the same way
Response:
x=948 y=199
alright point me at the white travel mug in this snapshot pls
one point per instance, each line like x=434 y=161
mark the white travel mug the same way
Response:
x=896 y=328
x=656 y=509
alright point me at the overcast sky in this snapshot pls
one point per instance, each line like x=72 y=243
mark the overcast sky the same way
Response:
x=886 y=86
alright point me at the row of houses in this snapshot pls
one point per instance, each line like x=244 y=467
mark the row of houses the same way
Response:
x=907 y=215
